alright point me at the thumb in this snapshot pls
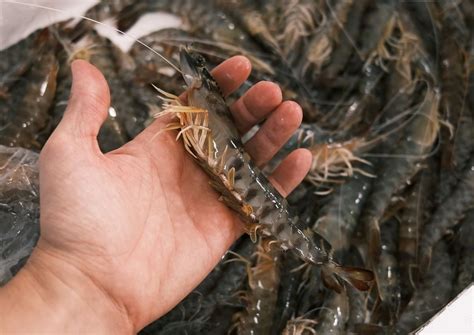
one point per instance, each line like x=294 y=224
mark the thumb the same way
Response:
x=88 y=104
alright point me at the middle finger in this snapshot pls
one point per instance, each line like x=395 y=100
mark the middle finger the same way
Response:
x=275 y=132
x=255 y=105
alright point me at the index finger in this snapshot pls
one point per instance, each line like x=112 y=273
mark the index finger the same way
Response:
x=229 y=74
x=232 y=73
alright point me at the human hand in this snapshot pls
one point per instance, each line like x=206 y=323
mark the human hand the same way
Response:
x=130 y=233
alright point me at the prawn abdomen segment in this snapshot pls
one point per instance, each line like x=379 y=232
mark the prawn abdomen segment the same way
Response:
x=264 y=210
x=241 y=185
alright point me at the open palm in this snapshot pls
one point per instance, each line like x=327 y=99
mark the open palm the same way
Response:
x=142 y=222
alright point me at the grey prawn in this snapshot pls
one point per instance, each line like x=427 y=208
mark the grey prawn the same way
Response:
x=210 y=136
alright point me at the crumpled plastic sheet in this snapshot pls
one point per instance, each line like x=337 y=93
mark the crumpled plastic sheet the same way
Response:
x=19 y=209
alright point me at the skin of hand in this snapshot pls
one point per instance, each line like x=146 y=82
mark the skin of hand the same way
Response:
x=128 y=234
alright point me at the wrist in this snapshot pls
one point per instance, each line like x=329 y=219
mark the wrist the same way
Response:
x=51 y=296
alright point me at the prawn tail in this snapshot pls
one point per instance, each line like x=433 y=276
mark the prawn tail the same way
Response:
x=333 y=276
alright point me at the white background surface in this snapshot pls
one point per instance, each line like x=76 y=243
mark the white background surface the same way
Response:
x=456 y=318
x=18 y=21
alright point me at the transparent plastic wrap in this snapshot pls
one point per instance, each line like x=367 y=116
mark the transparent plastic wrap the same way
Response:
x=19 y=209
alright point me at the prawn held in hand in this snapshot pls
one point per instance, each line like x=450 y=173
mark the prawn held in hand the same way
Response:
x=209 y=135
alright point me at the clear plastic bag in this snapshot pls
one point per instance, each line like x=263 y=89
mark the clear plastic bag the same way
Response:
x=19 y=209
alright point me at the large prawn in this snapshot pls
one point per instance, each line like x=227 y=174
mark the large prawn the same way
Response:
x=210 y=136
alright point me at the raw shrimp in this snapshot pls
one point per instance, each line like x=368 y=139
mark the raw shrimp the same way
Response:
x=412 y=218
x=425 y=15
x=322 y=43
x=420 y=135
x=307 y=135
x=402 y=90
x=299 y=20
x=341 y=55
x=311 y=293
x=300 y=326
x=261 y=298
x=453 y=75
x=194 y=14
x=379 y=27
x=412 y=57
x=338 y=218
x=257 y=28
x=286 y=303
x=31 y=114
x=387 y=273
x=114 y=132
x=17 y=59
x=463 y=145
x=353 y=117
x=433 y=294
x=210 y=136
x=358 y=307
x=65 y=56
x=334 y=314
x=334 y=160
x=448 y=214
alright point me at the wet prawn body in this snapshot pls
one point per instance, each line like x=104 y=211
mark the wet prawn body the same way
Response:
x=433 y=294
x=27 y=118
x=448 y=214
x=454 y=86
x=321 y=45
x=17 y=59
x=210 y=136
x=341 y=55
x=386 y=271
x=339 y=217
x=334 y=315
x=262 y=293
x=246 y=189
x=287 y=292
x=358 y=308
x=463 y=145
x=420 y=135
x=418 y=210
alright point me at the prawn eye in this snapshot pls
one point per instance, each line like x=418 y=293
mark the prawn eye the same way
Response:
x=199 y=60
